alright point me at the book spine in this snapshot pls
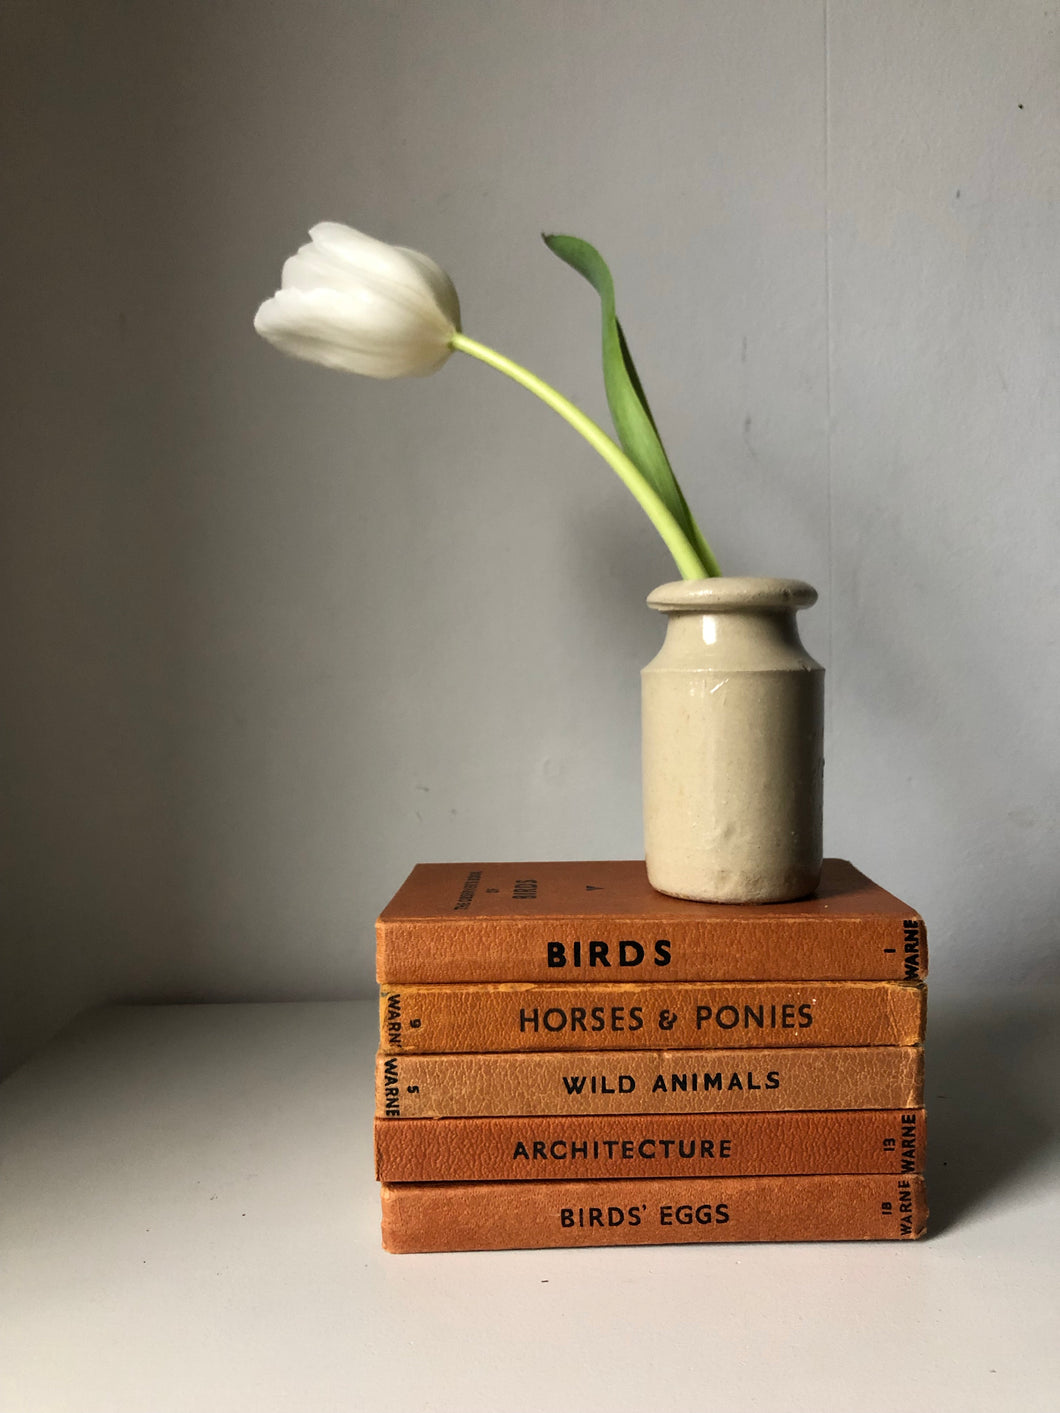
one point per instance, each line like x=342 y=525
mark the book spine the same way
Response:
x=649 y=1082
x=576 y=948
x=506 y=1216
x=466 y=1019
x=649 y=1146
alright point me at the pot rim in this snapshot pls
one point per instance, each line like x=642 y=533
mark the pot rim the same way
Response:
x=730 y=595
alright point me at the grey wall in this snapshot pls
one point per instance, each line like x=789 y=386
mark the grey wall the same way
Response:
x=272 y=635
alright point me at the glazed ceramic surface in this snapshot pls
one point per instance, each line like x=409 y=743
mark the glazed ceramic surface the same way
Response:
x=732 y=717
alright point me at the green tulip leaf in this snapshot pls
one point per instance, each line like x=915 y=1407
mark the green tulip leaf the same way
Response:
x=630 y=412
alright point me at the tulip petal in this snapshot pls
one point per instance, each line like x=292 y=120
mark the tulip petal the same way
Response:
x=314 y=267
x=440 y=284
x=352 y=254
x=409 y=304
x=357 y=334
x=625 y=396
x=353 y=302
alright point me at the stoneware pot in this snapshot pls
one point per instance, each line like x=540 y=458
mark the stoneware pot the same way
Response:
x=732 y=715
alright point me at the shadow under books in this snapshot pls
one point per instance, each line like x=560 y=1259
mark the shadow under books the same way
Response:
x=991 y=1098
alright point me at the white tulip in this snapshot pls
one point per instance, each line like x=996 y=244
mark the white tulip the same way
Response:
x=354 y=303
x=357 y=304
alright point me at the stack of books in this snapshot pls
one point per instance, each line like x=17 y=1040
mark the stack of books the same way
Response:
x=570 y=1058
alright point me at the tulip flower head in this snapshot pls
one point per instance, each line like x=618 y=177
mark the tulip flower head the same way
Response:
x=354 y=303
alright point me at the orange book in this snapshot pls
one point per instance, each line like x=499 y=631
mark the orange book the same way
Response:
x=624 y=1016
x=552 y=1148
x=603 y=921
x=649 y=1082
x=485 y=1216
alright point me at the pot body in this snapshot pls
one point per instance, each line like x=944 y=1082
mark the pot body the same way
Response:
x=733 y=744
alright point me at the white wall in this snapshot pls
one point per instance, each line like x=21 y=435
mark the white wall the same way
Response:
x=272 y=635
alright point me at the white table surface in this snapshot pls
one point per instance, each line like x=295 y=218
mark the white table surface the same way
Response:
x=190 y=1222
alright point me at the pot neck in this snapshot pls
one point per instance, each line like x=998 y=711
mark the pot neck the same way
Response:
x=736 y=618
x=732 y=595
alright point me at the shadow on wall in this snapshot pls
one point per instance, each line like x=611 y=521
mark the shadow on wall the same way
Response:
x=993 y=1108
x=942 y=690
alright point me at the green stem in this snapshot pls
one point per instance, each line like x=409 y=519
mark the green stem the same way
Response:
x=688 y=561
